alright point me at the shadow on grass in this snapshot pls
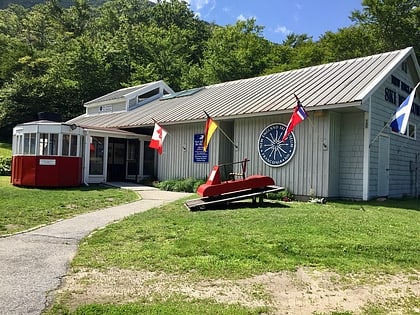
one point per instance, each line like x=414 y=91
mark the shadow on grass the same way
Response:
x=238 y=205
x=403 y=203
x=5 y=181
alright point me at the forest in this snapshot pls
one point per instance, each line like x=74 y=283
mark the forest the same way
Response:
x=56 y=55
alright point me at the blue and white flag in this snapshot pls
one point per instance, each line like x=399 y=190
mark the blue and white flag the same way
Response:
x=400 y=119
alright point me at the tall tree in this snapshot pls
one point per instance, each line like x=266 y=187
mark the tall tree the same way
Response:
x=235 y=52
x=395 y=23
x=345 y=44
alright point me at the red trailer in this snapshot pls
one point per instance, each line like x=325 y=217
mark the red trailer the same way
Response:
x=47 y=154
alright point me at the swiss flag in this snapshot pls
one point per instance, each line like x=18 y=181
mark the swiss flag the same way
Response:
x=158 y=136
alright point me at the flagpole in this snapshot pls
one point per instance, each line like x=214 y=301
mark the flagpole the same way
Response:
x=222 y=131
x=309 y=117
x=379 y=133
x=390 y=120
x=156 y=122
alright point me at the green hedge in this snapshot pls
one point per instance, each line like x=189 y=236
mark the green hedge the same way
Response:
x=5 y=165
x=186 y=184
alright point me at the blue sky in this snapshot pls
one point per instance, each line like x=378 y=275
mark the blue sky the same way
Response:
x=280 y=17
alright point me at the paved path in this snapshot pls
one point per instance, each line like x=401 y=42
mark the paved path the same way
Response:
x=32 y=264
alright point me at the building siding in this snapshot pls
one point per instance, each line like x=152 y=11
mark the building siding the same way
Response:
x=351 y=155
x=113 y=108
x=403 y=150
x=334 y=150
x=177 y=159
x=307 y=173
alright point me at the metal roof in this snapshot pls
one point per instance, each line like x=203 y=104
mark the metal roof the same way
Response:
x=339 y=84
x=119 y=94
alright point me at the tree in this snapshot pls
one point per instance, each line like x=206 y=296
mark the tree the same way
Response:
x=235 y=52
x=395 y=24
x=345 y=44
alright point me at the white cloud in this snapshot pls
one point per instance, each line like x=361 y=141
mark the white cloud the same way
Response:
x=197 y=5
x=283 y=30
x=296 y=15
x=241 y=17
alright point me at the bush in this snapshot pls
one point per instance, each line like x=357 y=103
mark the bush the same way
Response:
x=284 y=195
x=185 y=185
x=5 y=165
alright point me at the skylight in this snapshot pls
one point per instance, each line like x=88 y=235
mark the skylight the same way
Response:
x=180 y=94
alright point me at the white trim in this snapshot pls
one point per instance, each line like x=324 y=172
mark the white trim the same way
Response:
x=86 y=157
x=376 y=83
x=366 y=151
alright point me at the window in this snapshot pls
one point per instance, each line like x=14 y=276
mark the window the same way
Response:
x=96 y=162
x=18 y=148
x=73 y=145
x=410 y=132
x=66 y=143
x=69 y=145
x=29 y=143
x=48 y=144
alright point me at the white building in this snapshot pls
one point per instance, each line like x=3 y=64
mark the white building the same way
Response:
x=342 y=150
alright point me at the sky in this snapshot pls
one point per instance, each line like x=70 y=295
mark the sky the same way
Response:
x=280 y=17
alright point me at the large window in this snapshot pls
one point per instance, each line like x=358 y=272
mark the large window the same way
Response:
x=96 y=163
x=48 y=144
x=29 y=143
x=69 y=145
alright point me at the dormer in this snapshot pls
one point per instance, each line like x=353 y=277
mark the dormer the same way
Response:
x=127 y=99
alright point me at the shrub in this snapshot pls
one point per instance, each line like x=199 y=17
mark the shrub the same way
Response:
x=284 y=195
x=5 y=165
x=185 y=185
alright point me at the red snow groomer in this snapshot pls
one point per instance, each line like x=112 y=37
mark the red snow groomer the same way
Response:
x=216 y=191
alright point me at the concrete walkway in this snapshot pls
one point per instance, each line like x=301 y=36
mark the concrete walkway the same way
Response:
x=32 y=264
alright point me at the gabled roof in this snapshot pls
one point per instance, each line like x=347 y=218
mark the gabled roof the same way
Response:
x=339 y=85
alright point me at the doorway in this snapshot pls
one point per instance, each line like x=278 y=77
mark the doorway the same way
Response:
x=116 y=160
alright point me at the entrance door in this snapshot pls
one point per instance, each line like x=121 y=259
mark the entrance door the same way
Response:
x=383 y=166
x=149 y=161
x=133 y=158
x=116 y=159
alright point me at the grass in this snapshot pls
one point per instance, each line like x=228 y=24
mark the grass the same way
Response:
x=5 y=149
x=159 y=308
x=345 y=237
x=25 y=208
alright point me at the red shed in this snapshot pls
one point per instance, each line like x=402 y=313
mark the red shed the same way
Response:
x=47 y=154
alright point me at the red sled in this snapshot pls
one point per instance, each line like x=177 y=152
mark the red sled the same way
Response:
x=215 y=191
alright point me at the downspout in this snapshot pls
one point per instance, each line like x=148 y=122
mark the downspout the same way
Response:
x=86 y=158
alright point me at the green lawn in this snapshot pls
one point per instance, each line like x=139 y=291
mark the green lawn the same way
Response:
x=24 y=208
x=5 y=149
x=343 y=237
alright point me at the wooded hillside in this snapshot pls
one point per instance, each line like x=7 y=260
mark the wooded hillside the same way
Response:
x=54 y=58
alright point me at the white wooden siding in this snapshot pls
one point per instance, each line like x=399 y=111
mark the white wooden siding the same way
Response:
x=351 y=155
x=308 y=171
x=177 y=159
x=403 y=150
x=116 y=107
x=334 y=149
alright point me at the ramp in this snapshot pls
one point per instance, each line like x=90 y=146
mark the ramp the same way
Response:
x=202 y=203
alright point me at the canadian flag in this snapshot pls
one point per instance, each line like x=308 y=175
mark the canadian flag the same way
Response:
x=158 y=136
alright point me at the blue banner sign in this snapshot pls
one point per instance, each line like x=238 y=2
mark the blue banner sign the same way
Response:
x=199 y=155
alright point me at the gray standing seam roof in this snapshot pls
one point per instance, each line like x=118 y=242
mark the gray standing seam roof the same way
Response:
x=341 y=83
